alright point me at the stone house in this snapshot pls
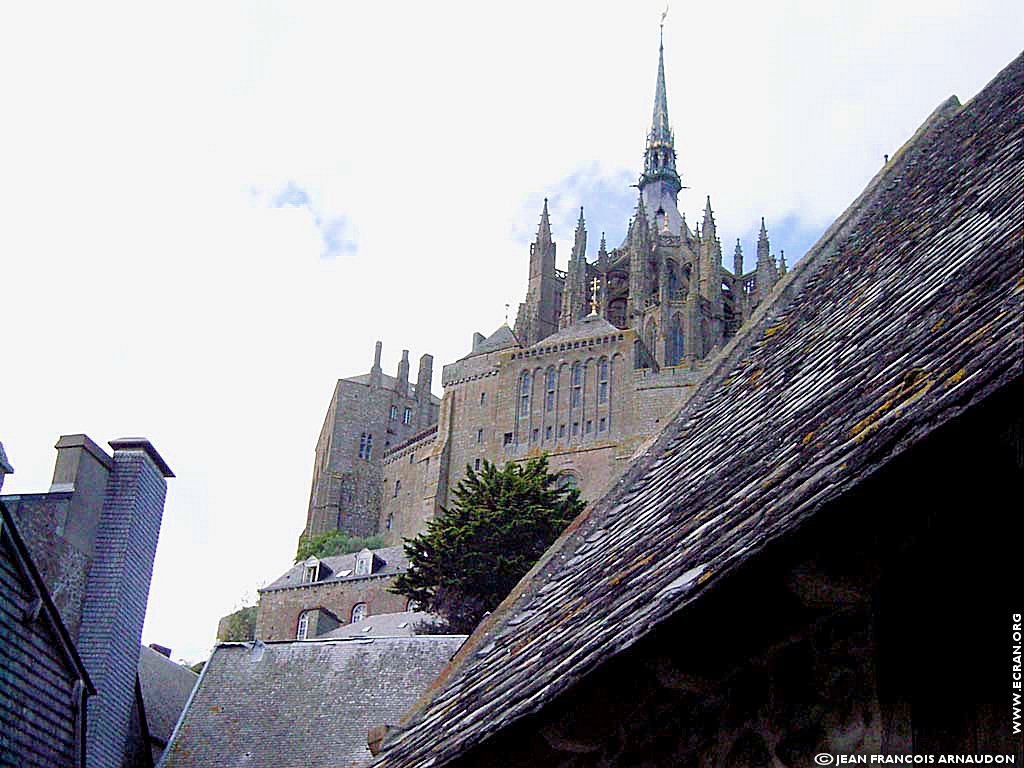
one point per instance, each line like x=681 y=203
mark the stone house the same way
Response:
x=814 y=558
x=318 y=595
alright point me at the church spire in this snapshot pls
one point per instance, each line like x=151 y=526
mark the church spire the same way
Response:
x=660 y=156
x=544 y=230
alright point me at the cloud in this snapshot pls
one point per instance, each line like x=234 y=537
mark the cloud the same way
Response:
x=335 y=230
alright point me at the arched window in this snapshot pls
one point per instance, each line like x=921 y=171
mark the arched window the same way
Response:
x=673 y=279
x=568 y=480
x=398 y=487
x=358 y=612
x=602 y=381
x=551 y=379
x=391 y=521
x=524 y=395
x=303 y=629
x=676 y=342
x=412 y=605
x=577 y=386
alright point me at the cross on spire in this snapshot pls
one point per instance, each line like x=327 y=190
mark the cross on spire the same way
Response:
x=595 y=286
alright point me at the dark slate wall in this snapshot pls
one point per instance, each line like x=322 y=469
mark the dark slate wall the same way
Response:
x=116 y=595
x=37 y=707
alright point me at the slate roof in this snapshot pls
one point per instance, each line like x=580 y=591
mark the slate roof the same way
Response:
x=302 y=704
x=906 y=313
x=503 y=338
x=165 y=690
x=584 y=328
x=394 y=559
x=382 y=625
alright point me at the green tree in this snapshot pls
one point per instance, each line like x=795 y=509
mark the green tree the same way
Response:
x=471 y=556
x=238 y=627
x=335 y=543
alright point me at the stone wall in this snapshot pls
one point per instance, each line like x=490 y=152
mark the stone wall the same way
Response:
x=279 y=609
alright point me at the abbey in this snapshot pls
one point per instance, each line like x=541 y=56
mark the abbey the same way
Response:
x=600 y=355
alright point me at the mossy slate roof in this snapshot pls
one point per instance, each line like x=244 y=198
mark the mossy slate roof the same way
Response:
x=906 y=313
x=302 y=704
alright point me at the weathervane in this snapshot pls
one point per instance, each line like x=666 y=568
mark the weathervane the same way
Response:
x=595 y=285
x=506 y=314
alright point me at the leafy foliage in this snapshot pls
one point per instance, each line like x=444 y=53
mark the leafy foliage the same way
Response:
x=471 y=557
x=239 y=627
x=335 y=543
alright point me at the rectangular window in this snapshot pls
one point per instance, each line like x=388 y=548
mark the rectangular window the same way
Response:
x=393 y=413
x=479 y=435
x=365 y=445
x=549 y=402
x=602 y=425
x=590 y=426
x=561 y=430
x=507 y=439
x=576 y=398
x=483 y=398
x=476 y=464
x=412 y=456
x=547 y=433
x=407 y=416
x=575 y=428
x=602 y=392
x=534 y=435
x=398 y=487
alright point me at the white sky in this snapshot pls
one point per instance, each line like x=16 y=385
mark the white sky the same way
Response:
x=210 y=211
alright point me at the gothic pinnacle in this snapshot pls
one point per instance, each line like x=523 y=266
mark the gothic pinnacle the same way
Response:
x=545 y=222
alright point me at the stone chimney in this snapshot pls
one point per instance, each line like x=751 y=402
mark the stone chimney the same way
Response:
x=375 y=372
x=83 y=469
x=402 y=386
x=117 y=587
x=478 y=339
x=425 y=378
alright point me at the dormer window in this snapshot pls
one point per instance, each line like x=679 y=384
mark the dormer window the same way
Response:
x=310 y=571
x=364 y=563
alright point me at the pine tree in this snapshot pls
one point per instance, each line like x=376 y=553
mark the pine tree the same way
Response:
x=472 y=555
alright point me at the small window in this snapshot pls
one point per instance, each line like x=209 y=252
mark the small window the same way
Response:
x=393 y=413
x=602 y=425
x=358 y=612
x=535 y=435
x=365 y=445
x=561 y=430
x=507 y=439
x=549 y=398
x=483 y=398
x=476 y=464
x=398 y=487
x=576 y=394
x=602 y=385
x=575 y=428
x=479 y=435
x=412 y=605
x=412 y=457
x=391 y=521
x=547 y=433
x=407 y=416
x=303 y=628
x=590 y=426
